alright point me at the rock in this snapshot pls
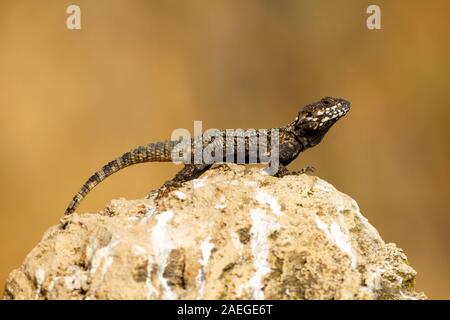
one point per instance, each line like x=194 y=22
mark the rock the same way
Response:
x=234 y=233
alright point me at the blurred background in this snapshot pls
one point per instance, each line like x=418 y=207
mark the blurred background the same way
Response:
x=71 y=100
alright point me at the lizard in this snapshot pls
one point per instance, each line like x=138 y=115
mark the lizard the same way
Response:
x=307 y=130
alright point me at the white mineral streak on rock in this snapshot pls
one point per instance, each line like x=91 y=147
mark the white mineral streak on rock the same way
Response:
x=75 y=281
x=339 y=202
x=373 y=278
x=180 y=195
x=222 y=204
x=232 y=182
x=198 y=183
x=236 y=242
x=250 y=183
x=338 y=237
x=102 y=257
x=99 y=258
x=338 y=199
x=323 y=186
x=407 y=297
x=138 y=250
x=264 y=198
x=40 y=277
x=148 y=215
x=71 y=282
x=150 y=211
x=162 y=246
x=90 y=248
x=205 y=248
x=262 y=226
x=369 y=229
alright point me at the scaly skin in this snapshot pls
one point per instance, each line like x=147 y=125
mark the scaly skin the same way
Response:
x=306 y=131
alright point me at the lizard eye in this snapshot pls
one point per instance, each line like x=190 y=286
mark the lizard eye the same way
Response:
x=326 y=101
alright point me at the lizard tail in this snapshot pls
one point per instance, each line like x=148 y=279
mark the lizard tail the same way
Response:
x=154 y=152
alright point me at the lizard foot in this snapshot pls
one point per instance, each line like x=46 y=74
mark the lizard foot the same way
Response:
x=167 y=187
x=282 y=171
x=307 y=169
x=189 y=172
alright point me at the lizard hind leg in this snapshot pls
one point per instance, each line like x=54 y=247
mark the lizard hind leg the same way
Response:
x=189 y=172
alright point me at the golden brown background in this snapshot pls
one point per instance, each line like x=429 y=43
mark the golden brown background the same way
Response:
x=72 y=100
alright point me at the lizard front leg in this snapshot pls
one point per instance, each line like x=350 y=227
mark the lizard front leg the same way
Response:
x=282 y=171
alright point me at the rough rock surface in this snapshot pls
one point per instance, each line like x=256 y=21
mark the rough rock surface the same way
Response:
x=233 y=233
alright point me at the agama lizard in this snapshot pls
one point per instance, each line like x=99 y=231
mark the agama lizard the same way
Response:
x=307 y=130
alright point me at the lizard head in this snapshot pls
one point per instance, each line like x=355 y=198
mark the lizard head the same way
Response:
x=315 y=119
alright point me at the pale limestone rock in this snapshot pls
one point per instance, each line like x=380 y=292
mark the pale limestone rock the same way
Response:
x=234 y=233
